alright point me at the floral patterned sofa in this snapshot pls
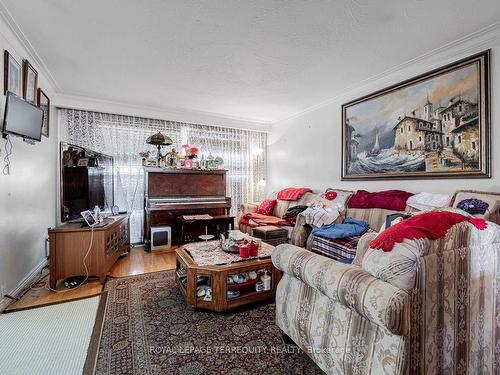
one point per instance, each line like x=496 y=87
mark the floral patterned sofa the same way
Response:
x=427 y=306
x=278 y=211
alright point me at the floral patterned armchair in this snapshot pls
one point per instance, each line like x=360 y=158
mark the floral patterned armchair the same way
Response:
x=426 y=307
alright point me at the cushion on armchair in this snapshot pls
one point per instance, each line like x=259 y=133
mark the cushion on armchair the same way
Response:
x=266 y=207
x=374 y=299
x=491 y=199
x=388 y=199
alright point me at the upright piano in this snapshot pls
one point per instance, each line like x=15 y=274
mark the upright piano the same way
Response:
x=170 y=193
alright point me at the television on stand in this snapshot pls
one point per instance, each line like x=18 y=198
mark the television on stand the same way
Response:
x=22 y=119
x=86 y=181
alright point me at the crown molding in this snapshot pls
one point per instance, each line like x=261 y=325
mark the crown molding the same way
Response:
x=459 y=48
x=84 y=102
x=34 y=57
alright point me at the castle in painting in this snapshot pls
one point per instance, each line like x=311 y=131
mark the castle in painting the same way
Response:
x=452 y=132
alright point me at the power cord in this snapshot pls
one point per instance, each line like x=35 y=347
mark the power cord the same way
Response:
x=6 y=159
x=84 y=265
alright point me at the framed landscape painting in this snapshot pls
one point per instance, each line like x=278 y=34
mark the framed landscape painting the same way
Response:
x=436 y=125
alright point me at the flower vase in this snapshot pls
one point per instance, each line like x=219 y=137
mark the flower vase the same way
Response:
x=188 y=163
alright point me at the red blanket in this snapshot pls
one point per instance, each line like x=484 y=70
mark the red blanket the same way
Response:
x=389 y=199
x=253 y=219
x=292 y=194
x=432 y=225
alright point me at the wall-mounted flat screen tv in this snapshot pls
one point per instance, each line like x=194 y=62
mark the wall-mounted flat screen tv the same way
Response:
x=22 y=118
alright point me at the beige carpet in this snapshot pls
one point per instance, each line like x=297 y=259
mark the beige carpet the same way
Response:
x=60 y=338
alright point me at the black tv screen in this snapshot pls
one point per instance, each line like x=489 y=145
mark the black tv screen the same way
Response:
x=87 y=181
x=22 y=118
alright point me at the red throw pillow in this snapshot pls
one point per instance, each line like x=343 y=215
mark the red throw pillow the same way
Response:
x=331 y=195
x=266 y=207
x=388 y=199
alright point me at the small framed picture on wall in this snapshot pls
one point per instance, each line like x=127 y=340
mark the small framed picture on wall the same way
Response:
x=43 y=102
x=12 y=74
x=30 y=82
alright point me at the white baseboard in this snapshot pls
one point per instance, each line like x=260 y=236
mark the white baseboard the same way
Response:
x=29 y=279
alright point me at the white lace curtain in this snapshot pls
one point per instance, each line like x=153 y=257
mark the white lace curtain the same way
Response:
x=123 y=137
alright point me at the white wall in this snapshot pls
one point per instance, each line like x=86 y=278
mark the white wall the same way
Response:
x=306 y=150
x=28 y=194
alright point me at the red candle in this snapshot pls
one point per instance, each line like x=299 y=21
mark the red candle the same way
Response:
x=254 y=249
x=244 y=251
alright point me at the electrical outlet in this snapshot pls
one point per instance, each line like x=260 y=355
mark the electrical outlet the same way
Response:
x=3 y=290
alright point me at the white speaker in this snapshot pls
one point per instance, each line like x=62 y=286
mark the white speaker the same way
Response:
x=161 y=238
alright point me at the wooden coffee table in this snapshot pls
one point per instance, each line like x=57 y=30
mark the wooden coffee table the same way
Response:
x=190 y=276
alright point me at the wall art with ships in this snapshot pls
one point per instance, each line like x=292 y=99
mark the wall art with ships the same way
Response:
x=432 y=126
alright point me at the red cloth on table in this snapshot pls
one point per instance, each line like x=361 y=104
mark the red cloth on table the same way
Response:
x=292 y=194
x=432 y=225
x=388 y=199
x=254 y=219
x=266 y=207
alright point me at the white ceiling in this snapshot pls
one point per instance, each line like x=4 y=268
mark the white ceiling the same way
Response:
x=260 y=60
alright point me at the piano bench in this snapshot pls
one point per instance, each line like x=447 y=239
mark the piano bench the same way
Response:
x=271 y=234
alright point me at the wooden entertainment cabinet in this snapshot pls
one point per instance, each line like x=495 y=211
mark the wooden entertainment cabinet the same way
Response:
x=70 y=242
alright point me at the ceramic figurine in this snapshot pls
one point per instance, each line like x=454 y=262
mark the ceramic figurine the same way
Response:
x=200 y=291
x=208 y=294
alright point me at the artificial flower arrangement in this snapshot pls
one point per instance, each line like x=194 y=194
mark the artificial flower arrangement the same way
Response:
x=191 y=151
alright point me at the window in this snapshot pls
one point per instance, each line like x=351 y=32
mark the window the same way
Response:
x=447 y=141
x=409 y=128
x=473 y=145
x=124 y=137
x=420 y=138
x=460 y=107
x=411 y=145
x=459 y=139
x=402 y=130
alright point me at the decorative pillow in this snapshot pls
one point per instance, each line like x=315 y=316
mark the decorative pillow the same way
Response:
x=266 y=207
x=336 y=196
x=397 y=267
x=473 y=206
x=388 y=199
x=331 y=195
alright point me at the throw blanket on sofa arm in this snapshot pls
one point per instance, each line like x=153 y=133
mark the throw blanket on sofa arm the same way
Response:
x=253 y=219
x=433 y=225
x=292 y=194
x=349 y=228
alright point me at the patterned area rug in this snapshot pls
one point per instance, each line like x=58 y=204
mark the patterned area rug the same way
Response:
x=149 y=329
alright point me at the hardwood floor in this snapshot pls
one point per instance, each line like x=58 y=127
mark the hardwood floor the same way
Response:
x=139 y=261
x=136 y=262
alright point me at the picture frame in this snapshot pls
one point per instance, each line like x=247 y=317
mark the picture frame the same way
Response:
x=435 y=125
x=43 y=102
x=83 y=162
x=12 y=77
x=30 y=82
